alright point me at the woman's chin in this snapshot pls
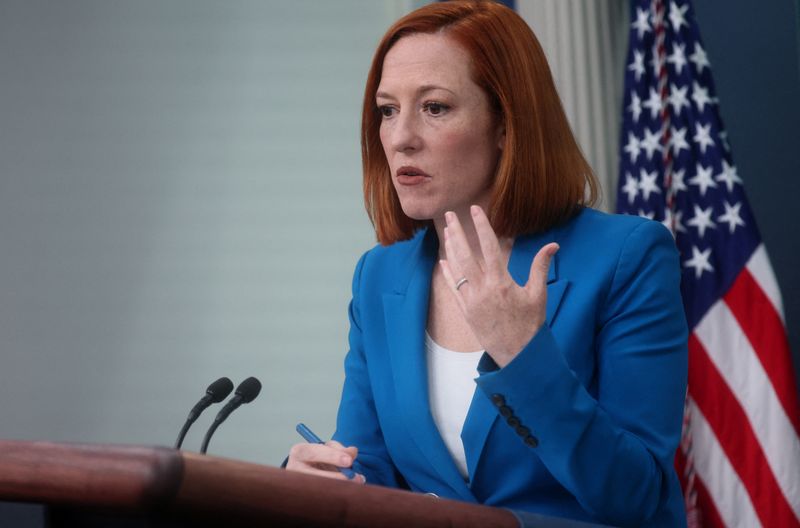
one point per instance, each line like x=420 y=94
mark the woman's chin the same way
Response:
x=415 y=212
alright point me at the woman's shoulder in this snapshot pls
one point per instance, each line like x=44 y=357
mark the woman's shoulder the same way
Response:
x=595 y=240
x=588 y=218
x=394 y=261
x=397 y=250
x=607 y=229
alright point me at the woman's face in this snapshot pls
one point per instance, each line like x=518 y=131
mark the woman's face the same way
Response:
x=441 y=140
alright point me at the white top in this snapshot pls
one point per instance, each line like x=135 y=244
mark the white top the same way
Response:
x=451 y=386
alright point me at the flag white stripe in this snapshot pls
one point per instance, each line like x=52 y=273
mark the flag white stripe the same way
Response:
x=733 y=355
x=720 y=479
x=761 y=270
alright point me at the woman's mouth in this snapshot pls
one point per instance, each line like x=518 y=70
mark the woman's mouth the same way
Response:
x=409 y=176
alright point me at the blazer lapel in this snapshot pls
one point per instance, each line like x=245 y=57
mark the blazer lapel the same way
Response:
x=406 y=314
x=482 y=413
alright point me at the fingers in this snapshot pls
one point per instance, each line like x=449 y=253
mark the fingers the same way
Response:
x=490 y=246
x=332 y=473
x=459 y=255
x=537 y=280
x=352 y=450
x=448 y=277
x=323 y=460
x=448 y=273
x=320 y=454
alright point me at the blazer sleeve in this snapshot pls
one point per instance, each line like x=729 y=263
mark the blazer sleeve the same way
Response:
x=614 y=453
x=357 y=420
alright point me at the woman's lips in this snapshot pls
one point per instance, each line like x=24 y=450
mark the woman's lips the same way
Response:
x=404 y=179
x=409 y=176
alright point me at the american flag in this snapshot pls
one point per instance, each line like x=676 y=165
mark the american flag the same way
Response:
x=739 y=458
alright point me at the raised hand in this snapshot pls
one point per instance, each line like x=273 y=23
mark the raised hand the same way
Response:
x=503 y=315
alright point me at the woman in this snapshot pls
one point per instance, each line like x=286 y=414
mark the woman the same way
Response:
x=508 y=345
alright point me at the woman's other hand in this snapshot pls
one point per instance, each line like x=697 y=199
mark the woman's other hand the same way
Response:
x=503 y=315
x=323 y=460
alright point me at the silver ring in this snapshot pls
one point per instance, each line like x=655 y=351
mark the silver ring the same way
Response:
x=462 y=281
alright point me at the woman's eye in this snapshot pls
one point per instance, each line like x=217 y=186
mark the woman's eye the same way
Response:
x=436 y=109
x=386 y=111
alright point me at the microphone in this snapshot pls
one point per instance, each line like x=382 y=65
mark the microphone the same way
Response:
x=215 y=393
x=245 y=393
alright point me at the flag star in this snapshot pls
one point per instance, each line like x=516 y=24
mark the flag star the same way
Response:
x=676 y=16
x=649 y=215
x=678 y=57
x=703 y=179
x=702 y=219
x=702 y=136
x=651 y=142
x=728 y=176
x=667 y=221
x=731 y=216
x=647 y=183
x=700 y=96
x=631 y=187
x=677 y=222
x=642 y=25
x=673 y=221
x=699 y=58
x=678 y=141
x=637 y=66
x=635 y=107
x=633 y=148
x=655 y=61
x=677 y=184
x=677 y=98
x=653 y=103
x=699 y=261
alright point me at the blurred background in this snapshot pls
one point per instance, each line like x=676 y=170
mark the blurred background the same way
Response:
x=180 y=195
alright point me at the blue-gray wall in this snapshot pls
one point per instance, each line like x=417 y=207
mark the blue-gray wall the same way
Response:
x=180 y=191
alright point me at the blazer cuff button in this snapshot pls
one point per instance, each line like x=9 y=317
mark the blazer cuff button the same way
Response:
x=531 y=441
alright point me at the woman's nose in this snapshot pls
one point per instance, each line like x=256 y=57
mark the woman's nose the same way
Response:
x=405 y=133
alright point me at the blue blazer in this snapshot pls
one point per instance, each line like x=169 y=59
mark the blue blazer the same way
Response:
x=582 y=424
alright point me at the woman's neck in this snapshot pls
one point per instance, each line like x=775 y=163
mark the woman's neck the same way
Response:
x=465 y=219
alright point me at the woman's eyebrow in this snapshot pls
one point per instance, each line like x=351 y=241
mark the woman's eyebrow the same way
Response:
x=425 y=88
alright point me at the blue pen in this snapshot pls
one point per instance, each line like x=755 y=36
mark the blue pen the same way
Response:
x=311 y=438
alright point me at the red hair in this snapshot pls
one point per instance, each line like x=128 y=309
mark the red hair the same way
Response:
x=542 y=177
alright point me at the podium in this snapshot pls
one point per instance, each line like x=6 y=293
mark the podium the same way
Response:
x=109 y=485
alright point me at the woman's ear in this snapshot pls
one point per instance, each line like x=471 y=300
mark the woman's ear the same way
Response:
x=501 y=135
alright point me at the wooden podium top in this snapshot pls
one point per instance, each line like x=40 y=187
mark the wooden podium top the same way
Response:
x=155 y=481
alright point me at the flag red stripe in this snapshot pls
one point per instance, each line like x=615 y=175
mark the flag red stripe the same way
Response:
x=764 y=329
x=680 y=469
x=710 y=517
x=727 y=419
x=706 y=510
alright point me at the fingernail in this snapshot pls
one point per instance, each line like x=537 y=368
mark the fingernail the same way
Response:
x=474 y=209
x=448 y=216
